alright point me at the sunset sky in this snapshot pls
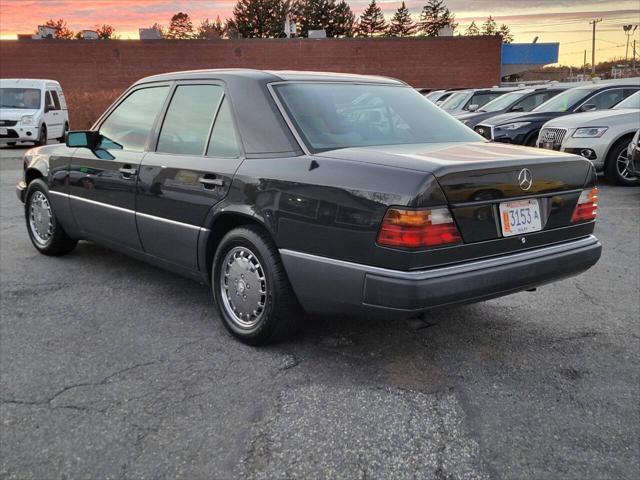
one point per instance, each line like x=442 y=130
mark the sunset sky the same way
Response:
x=564 y=21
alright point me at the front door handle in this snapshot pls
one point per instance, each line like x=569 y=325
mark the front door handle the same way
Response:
x=127 y=171
x=211 y=182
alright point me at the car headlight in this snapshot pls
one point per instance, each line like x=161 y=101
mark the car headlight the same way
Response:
x=589 y=132
x=513 y=126
x=27 y=120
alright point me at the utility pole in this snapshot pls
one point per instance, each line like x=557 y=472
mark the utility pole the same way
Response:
x=584 y=62
x=593 y=44
x=634 y=55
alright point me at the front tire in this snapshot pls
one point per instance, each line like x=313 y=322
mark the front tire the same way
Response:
x=45 y=232
x=42 y=136
x=617 y=165
x=64 y=133
x=251 y=289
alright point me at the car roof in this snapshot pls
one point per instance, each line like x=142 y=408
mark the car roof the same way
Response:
x=268 y=76
x=27 y=82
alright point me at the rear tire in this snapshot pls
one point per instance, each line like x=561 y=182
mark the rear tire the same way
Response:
x=617 y=165
x=45 y=232
x=42 y=136
x=251 y=289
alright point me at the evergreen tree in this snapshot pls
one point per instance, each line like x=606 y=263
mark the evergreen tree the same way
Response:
x=259 y=18
x=472 y=30
x=505 y=32
x=343 y=20
x=180 y=27
x=434 y=17
x=372 y=21
x=211 y=30
x=401 y=24
x=314 y=15
x=489 y=27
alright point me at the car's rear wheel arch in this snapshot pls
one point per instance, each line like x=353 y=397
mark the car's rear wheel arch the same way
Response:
x=222 y=224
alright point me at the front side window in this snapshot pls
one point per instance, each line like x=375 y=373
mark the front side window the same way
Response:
x=564 y=101
x=54 y=98
x=340 y=115
x=502 y=102
x=186 y=126
x=606 y=99
x=48 y=101
x=224 y=140
x=129 y=125
x=23 y=98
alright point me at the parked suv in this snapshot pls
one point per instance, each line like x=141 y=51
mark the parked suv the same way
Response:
x=472 y=99
x=333 y=193
x=32 y=110
x=523 y=128
x=601 y=136
x=519 y=101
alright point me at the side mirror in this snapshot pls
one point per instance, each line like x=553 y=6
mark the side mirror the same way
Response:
x=473 y=108
x=588 y=107
x=83 y=139
x=518 y=108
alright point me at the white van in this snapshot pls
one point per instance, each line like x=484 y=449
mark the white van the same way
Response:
x=32 y=110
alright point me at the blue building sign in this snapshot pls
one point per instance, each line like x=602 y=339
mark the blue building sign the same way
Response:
x=518 y=57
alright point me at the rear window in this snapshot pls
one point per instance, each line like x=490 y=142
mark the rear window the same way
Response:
x=334 y=115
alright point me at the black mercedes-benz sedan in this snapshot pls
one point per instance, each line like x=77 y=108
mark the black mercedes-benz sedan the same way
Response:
x=523 y=128
x=329 y=193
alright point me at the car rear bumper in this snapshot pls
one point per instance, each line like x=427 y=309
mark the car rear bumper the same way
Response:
x=328 y=286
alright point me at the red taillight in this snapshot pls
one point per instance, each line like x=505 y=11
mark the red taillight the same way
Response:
x=418 y=228
x=587 y=206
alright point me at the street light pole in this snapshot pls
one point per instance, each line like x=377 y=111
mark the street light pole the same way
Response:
x=593 y=44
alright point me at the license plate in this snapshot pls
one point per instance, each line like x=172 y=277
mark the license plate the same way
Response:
x=519 y=217
x=548 y=145
x=4 y=131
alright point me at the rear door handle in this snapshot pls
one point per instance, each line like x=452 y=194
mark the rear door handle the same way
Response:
x=128 y=171
x=211 y=182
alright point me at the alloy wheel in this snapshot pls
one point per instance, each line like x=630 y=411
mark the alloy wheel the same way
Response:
x=243 y=287
x=622 y=165
x=40 y=218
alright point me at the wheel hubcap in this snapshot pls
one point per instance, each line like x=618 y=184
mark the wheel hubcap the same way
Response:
x=622 y=163
x=40 y=218
x=243 y=287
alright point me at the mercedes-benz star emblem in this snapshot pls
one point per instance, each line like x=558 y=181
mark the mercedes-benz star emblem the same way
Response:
x=525 y=179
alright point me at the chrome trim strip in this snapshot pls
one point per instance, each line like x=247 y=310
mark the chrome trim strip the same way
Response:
x=126 y=210
x=171 y=222
x=453 y=269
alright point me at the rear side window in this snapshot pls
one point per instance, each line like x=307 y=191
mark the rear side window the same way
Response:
x=131 y=122
x=186 y=126
x=224 y=140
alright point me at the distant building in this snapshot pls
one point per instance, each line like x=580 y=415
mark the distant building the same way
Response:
x=89 y=35
x=149 y=34
x=45 y=31
x=317 y=33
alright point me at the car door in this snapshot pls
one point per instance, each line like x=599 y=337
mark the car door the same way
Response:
x=50 y=114
x=197 y=153
x=102 y=183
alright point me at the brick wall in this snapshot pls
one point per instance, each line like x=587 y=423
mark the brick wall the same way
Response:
x=93 y=73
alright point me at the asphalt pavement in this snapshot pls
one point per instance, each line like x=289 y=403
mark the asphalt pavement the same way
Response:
x=111 y=368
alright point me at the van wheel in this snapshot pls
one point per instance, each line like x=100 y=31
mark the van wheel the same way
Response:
x=64 y=133
x=251 y=289
x=42 y=136
x=46 y=234
x=617 y=164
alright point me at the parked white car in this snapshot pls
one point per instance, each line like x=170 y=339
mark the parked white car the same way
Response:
x=472 y=99
x=601 y=136
x=32 y=110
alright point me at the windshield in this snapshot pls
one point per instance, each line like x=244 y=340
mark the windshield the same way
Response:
x=455 y=101
x=563 y=101
x=630 y=102
x=27 y=98
x=343 y=115
x=502 y=102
